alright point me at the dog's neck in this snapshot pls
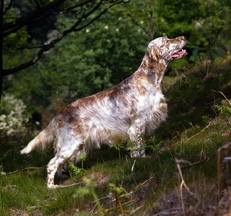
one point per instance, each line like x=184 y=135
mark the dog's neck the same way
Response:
x=153 y=70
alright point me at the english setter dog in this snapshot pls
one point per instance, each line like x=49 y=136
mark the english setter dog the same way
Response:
x=133 y=108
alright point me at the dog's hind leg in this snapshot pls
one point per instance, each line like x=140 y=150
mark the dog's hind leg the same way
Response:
x=69 y=151
x=53 y=165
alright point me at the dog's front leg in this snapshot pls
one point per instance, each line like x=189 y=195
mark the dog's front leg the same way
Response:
x=135 y=133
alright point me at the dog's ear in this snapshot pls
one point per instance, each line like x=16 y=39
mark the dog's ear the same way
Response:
x=153 y=53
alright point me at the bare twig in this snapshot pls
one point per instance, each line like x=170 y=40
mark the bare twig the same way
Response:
x=70 y=185
x=118 y=200
x=229 y=192
x=33 y=168
x=192 y=164
x=133 y=166
x=219 y=161
x=182 y=184
x=172 y=211
x=143 y=183
x=135 y=210
x=223 y=96
x=200 y=131
x=13 y=172
x=132 y=171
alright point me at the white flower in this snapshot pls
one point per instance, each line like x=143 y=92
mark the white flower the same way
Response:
x=14 y=115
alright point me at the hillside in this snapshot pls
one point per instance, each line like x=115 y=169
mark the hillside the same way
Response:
x=179 y=176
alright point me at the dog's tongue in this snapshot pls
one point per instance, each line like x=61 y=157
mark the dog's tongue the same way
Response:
x=179 y=54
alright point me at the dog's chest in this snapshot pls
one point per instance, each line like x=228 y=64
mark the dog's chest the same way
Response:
x=151 y=102
x=151 y=109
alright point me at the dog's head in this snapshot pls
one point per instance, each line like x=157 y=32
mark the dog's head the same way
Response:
x=167 y=49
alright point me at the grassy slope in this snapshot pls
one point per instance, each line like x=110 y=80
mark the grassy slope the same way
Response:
x=193 y=133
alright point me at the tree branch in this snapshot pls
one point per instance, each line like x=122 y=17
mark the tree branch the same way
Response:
x=37 y=3
x=35 y=15
x=52 y=43
x=8 y=7
x=66 y=10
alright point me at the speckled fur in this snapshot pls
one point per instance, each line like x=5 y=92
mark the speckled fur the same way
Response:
x=133 y=108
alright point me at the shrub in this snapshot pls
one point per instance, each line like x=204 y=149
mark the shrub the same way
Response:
x=13 y=115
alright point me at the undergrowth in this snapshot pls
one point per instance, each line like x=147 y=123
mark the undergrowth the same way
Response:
x=178 y=177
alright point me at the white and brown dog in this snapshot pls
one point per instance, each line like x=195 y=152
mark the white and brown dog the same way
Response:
x=133 y=108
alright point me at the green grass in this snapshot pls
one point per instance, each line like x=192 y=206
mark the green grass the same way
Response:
x=28 y=191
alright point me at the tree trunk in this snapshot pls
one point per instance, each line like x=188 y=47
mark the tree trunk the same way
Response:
x=1 y=46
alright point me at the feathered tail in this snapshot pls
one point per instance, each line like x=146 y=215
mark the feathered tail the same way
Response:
x=42 y=140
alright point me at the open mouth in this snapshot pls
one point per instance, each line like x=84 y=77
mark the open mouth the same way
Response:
x=179 y=54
